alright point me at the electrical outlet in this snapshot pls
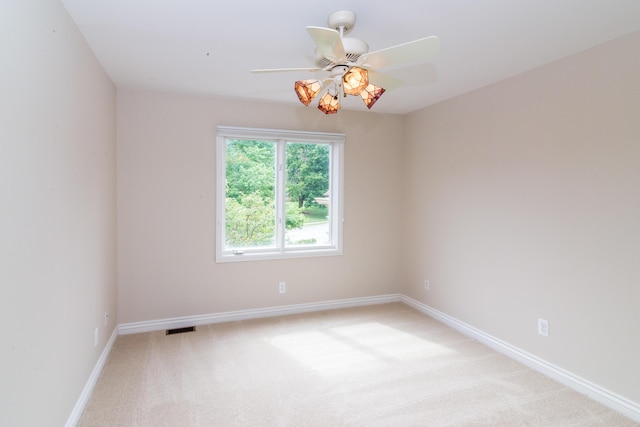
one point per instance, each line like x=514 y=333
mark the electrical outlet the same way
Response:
x=282 y=287
x=106 y=318
x=95 y=337
x=427 y=286
x=543 y=327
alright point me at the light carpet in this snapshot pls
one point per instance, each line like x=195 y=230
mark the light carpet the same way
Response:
x=381 y=365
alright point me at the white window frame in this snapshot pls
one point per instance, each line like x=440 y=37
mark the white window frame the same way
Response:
x=336 y=206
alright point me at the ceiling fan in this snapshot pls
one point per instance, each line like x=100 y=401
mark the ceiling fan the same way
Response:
x=351 y=67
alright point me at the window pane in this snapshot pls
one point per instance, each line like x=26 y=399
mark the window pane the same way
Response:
x=250 y=219
x=307 y=192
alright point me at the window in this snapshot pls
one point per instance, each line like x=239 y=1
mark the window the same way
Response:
x=279 y=194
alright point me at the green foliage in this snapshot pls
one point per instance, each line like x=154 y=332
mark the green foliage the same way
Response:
x=250 y=169
x=250 y=189
x=250 y=221
x=307 y=172
x=316 y=213
x=295 y=217
x=310 y=241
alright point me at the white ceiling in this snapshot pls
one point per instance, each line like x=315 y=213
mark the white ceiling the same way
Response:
x=207 y=47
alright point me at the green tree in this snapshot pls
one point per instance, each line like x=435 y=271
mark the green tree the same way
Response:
x=249 y=222
x=307 y=172
x=294 y=216
x=250 y=169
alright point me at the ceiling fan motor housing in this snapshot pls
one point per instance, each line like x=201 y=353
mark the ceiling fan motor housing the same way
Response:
x=353 y=48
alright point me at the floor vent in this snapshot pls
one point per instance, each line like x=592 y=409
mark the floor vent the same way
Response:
x=181 y=330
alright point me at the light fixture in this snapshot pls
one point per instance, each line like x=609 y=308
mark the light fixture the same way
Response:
x=371 y=94
x=307 y=90
x=355 y=80
x=329 y=103
x=343 y=80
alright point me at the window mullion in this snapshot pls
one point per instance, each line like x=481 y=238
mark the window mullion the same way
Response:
x=280 y=194
x=336 y=185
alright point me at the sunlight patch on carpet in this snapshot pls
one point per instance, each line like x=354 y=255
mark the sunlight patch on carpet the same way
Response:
x=355 y=348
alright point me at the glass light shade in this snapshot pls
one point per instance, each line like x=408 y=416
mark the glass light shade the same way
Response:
x=355 y=80
x=371 y=94
x=329 y=104
x=307 y=90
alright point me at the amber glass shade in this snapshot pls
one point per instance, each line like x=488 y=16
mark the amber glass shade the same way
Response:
x=355 y=80
x=329 y=104
x=371 y=94
x=307 y=90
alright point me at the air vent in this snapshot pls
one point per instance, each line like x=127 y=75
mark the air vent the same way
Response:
x=181 y=330
x=323 y=62
x=353 y=57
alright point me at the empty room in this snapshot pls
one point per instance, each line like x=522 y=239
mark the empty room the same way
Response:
x=320 y=214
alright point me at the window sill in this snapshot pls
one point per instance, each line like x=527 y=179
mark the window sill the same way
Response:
x=266 y=256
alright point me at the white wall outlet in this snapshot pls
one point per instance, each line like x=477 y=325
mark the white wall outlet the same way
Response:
x=427 y=286
x=106 y=318
x=543 y=327
x=95 y=337
x=282 y=287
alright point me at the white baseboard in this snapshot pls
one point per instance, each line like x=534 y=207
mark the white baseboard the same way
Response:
x=229 y=316
x=78 y=409
x=612 y=400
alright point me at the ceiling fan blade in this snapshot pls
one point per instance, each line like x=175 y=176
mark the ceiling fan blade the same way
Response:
x=279 y=70
x=414 y=52
x=328 y=43
x=385 y=81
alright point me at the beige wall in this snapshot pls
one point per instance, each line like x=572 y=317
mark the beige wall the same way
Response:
x=166 y=209
x=57 y=212
x=524 y=202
